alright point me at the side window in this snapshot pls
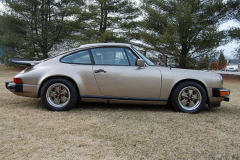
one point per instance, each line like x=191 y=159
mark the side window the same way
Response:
x=81 y=57
x=110 y=56
x=131 y=56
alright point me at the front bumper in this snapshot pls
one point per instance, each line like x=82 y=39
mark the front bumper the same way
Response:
x=221 y=92
x=218 y=95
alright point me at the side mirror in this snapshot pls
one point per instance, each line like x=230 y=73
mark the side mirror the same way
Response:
x=140 y=63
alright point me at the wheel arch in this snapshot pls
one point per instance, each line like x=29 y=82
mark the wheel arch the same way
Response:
x=65 y=77
x=184 y=80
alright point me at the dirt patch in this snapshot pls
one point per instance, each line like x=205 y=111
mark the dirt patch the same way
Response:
x=231 y=79
x=11 y=68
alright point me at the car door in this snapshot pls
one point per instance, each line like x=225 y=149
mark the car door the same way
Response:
x=117 y=75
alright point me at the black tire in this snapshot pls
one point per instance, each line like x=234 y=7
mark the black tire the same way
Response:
x=189 y=97
x=59 y=94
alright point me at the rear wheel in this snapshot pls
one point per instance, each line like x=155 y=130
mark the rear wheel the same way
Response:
x=59 y=94
x=189 y=97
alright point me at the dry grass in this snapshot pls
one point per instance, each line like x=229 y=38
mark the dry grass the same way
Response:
x=102 y=131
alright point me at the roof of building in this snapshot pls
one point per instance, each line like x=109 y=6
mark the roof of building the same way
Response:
x=233 y=61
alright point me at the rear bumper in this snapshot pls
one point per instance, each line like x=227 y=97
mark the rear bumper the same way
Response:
x=13 y=87
x=27 y=90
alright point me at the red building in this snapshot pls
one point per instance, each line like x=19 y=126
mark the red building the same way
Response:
x=218 y=65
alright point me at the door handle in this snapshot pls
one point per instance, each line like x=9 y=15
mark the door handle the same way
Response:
x=100 y=70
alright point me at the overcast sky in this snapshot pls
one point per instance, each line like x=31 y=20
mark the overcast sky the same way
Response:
x=230 y=47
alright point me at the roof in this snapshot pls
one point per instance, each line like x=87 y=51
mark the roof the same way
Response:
x=105 y=45
x=93 y=45
x=234 y=61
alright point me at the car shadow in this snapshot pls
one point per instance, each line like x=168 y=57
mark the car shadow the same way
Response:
x=37 y=105
x=34 y=104
x=135 y=107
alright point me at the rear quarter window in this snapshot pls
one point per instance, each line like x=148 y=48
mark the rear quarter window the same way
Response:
x=80 y=57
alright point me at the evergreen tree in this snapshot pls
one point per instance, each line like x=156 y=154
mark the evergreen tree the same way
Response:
x=237 y=53
x=183 y=29
x=234 y=13
x=204 y=62
x=110 y=21
x=221 y=61
x=234 y=32
x=30 y=28
x=221 y=57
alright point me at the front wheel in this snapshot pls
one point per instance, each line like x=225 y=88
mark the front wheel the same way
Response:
x=189 y=97
x=59 y=94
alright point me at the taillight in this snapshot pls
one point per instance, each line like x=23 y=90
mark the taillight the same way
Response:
x=17 y=80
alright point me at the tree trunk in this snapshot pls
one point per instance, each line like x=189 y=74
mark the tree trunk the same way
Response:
x=104 y=14
x=183 y=56
x=44 y=52
x=105 y=17
x=101 y=20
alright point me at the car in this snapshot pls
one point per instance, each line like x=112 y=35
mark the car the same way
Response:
x=115 y=73
x=233 y=68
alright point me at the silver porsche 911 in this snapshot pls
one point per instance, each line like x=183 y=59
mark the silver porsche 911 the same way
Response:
x=115 y=73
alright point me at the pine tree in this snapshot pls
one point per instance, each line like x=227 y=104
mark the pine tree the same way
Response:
x=221 y=61
x=30 y=28
x=237 y=53
x=221 y=57
x=204 y=62
x=234 y=32
x=183 y=30
x=110 y=21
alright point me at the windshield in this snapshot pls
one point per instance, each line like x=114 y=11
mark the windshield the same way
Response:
x=150 y=63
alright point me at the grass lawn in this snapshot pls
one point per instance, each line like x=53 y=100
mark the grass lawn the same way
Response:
x=103 y=131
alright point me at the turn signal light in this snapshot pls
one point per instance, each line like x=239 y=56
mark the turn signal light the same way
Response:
x=17 y=80
x=224 y=93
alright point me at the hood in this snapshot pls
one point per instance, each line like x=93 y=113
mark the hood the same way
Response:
x=208 y=78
